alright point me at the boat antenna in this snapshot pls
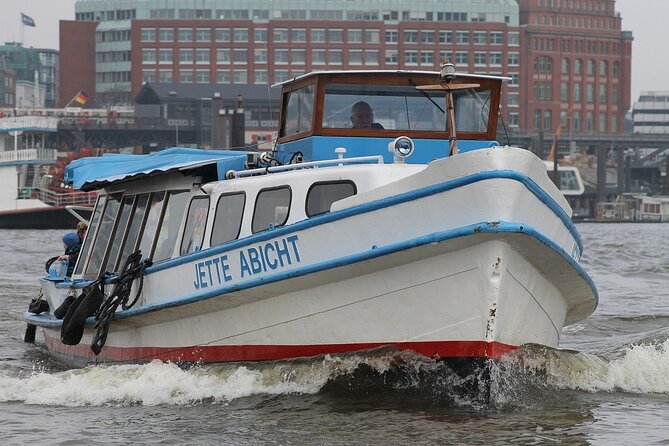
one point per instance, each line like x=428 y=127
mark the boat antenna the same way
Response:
x=501 y=119
x=447 y=74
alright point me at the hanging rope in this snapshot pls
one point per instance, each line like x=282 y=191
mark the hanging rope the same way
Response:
x=132 y=269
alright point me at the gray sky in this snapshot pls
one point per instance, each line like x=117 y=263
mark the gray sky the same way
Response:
x=647 y=19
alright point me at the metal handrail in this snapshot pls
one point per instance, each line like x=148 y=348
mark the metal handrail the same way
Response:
x=273 y=169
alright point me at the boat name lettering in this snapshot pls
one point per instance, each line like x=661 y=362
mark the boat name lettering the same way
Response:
x=252 y=260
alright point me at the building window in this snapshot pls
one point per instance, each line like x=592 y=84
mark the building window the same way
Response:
x=427 y=36
x=186 y=76
x=513 y=38
x=240 y=56
x=427 y=58
x=576 y=122
x=513 y=99
x=371 y=57
x=495 y=59
x=543 y=64
x=391 y=57
x=222 y=77
x=318 y=57
x=616 y=69
x=542 y=91
x=577 y=92
x=591 y=67
x=336 y=35
x=148 y=56
x=602 y=122
x=578 y=66
x=372 y=36
x=318 y=35
x=241 y=35
x=589 y=122
x=164 y=76
x=564 y=92
x=565 y=66
x=391 y=36
x=479 y=58
x=355 y=57
x=602 y=93
x=280 y=35
x=410 y=36
x=335 y=57
x=281 y=56
x=260 y=77
x=260 y=35
x=222 y=56
x=165 y=56
x=166 y=35
x=239 y=77
x=537 y=119
x=222 y=34
x=354 y=36
x=513 y=59
x=202 y=76
x=479 y=38
x=148 y=75
x=185 y=34
x=298 y=56
x=462 y=58
x=280 y=75
x=445 y=36
x=202 y=56
x=548 y=119
x=514 y=119
x=185 y=56
x=462 y=37
x=411 y=57
x=590 y=93
x=603 y=68
x=260 y=55
x=148 y=35
x=299 y=35
x=496 y=37
x=203 y=35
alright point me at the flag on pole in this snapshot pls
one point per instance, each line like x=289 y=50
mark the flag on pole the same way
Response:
x=81 y=98
x=27 y=21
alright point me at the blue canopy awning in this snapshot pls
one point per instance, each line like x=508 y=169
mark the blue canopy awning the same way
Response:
x=97 y=172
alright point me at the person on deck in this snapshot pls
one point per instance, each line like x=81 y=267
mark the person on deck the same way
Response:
x=72 y=242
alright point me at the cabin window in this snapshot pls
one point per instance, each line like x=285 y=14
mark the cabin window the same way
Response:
x=195 y=224
x=272 y=208
x=136 y=219
x=169 y=226
x=103 y=235
x=321 y=196
x=228 y=218
x=90 y=234
x=402 y=107
x=151 y=224
x=299 y=110
x=119 y=232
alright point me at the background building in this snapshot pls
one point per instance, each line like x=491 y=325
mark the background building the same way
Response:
x=568 y=60
x=651 y=112
x=49 y=75
x=7 y=85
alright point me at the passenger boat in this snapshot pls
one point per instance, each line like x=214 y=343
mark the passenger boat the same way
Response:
x=419 y=232
x=30 y=197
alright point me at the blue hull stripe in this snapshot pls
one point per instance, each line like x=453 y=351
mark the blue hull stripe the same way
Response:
x=437 y=237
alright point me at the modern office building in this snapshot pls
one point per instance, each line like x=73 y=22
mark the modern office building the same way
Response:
x=49 y=74
x=7 y=85
x=568 y=60
x=651 y=113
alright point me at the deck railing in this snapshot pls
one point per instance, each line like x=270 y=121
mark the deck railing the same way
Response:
x=14 y=156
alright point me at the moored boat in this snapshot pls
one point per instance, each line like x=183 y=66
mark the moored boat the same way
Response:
x=416 y=230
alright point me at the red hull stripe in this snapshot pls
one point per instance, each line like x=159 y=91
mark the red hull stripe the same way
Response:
x=233 y=353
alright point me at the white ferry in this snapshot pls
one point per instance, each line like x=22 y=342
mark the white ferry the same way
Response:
x=418 y=232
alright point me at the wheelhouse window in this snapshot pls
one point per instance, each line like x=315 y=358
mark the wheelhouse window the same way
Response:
x=119 y=232
x=152 y=220
x=299 y=106
x=90 y=234
x=136 y=219
x=321 y=196
x=402 y=107
x=195 y=225
x=271 y=209
x=103 y=235
x=228 y=218
x=169 y=225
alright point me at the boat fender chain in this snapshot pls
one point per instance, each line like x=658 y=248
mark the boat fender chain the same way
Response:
x=132 y=269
